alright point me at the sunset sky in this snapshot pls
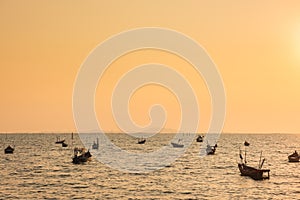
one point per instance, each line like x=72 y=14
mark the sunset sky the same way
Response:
x=255 y=45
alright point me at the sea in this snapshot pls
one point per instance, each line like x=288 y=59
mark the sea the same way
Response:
x=41 y=169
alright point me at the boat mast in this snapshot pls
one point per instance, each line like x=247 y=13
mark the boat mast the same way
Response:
x=241 y=157
x=259 y=165
x=72 y=137
x=245 y=156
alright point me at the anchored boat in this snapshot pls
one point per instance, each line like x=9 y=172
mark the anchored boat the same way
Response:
x=254 y=173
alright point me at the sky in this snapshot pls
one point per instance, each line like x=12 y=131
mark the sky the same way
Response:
x=254 y=44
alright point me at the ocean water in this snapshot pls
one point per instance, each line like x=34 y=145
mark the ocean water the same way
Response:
x=41 y=169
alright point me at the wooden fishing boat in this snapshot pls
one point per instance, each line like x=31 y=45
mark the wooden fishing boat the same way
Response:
x=9 y=150
x=141 y=141
x=64 y=144
x=199 y=138
x=59 y=141
x=81 y=156
x=246 y=143
x=254 y=173
x=210 y=150
x=177 y=145
x=294 y=157
x=96 y=144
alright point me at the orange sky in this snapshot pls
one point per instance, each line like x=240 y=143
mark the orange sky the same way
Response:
x=255 y=44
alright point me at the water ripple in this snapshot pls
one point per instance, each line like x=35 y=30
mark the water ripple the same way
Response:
x=41 y=169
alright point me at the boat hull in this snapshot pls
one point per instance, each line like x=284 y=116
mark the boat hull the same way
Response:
x=176 y=145
x=9 y=150
x=246 y=143
x=293 y=158
x=210 y=152
x=80 y=159
x=141 y=142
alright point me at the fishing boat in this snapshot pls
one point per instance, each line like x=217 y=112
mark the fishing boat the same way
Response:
x=294 y=157
x=64 y=144
x=254 y=173
x=141 y=141
x=81 y=155
x=210 y=150
x=59 y=141
x=177 y=145
x=96 y=144
x=199 y=138
x=9 y=150
x=246 y=143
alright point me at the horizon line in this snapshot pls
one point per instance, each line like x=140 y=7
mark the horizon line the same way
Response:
x=113 y=132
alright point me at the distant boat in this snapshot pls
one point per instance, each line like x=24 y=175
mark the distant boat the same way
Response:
x=81 y=156
x=199 y=138
x=64 y=144
x=178 y=144
x=141 y=141
x=246 y=143
x=9 y=150
x=294 y=157
x=254 y=173
x=210 y=150
x=96 y=144
x=59 y=141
